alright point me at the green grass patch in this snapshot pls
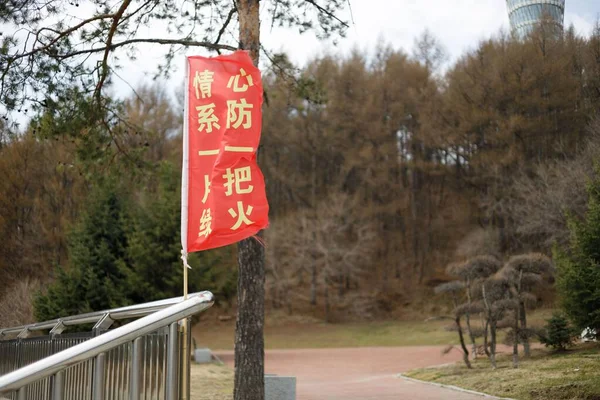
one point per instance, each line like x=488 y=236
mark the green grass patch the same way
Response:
x=571 y=375
x=306 y=334
x=320 y=335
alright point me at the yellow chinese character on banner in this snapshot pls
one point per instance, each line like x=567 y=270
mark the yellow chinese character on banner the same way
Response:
x=239 y=176
x=207 y=118
x=203 y=83
x=239 y=114
x=206 y=188
x=240 y=215
x=234 y=82
x=205 y=223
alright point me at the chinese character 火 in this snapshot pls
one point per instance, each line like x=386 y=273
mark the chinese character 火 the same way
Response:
x=240 y=215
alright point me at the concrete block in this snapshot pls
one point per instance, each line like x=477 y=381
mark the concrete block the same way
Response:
x=202 y=356
x=280 y=387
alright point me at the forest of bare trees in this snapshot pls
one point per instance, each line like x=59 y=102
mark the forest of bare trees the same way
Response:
x=382 y=168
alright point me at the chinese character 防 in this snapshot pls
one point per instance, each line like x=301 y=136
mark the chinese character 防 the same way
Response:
x=203 y=83
x=234 y=82
x=207 y=118
x=239 y=176
x=242 y=218
x=206 y=188
x=205 y=223
x=239 y=114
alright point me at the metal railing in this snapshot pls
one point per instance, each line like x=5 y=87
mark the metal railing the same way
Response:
x=140 y=360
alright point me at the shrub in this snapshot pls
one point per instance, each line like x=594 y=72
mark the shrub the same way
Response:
x=558 y=333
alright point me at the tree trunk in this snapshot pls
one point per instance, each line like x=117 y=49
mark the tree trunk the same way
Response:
x=313 y=281
x=493 y=344
x=249 y=339
x=485 y=338
x=516 y=339
x=249 y=331
x=327 y=307
x=313 y=284
x=526 y=346
x=462 y=343
x=468 y=319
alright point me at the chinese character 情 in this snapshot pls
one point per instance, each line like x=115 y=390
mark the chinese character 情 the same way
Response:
x=239 y=114
x=207 y=118
x=234 y=82
x=205 y=223
x=240 y=215
x=206 y=188
x=239 y=176
x=203 y=83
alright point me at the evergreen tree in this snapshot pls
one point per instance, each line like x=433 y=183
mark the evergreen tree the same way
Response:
x=558 y=333
x=95 y=277
x=579 y=265
x=154 y=248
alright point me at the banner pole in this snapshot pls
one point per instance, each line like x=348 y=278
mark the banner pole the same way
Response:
x=185 y=365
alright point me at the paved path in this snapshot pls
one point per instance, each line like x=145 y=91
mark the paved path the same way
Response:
x=359 y=373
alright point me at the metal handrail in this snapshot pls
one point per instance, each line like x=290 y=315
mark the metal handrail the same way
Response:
x=98 y=346
x=135 y=311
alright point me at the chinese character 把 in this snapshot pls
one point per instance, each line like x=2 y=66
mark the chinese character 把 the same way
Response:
x=205 y=223
x=241 y=216
x=207 y=118
x=239 y=176
x=239 y=114
x=206 y=188
x=203 y=83
x=235 y=81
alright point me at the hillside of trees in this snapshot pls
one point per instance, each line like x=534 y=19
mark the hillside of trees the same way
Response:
x=382 y=168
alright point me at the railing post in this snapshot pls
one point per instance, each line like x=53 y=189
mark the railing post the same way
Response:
x=98 y=383
x=22 y=394
x=172 y=384
x=136 y=370
x=58 y=386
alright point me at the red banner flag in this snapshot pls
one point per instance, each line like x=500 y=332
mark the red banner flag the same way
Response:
x=223 y=190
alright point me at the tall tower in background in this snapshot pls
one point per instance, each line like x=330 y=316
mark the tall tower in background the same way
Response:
x=524 y=15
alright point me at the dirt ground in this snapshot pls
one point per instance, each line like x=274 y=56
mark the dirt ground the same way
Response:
x=357 y=373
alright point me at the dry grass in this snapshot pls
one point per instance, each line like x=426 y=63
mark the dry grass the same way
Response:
x=16 y=305
x=306 y=334
x=211 y=382
x=571 y=375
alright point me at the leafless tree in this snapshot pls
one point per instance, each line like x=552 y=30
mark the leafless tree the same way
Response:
x=522 y=273
x=454 y=289
x=470 y=272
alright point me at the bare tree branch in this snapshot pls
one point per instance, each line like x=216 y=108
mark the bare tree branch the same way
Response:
x=109 y=40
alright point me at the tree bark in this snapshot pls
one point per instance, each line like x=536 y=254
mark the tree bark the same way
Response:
x=249 y=331
x=526 y=345
x=485 y=338
x=516 y=339
x=493 y=344
x=249 y=339
x=462 y=343
x=313 y=257
x=468 y=320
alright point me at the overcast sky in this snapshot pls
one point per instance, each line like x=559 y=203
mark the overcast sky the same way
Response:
x=459 y=24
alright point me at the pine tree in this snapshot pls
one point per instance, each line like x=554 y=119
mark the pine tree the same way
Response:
x=154 y=248
x=578 y=265
x=95 y=277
